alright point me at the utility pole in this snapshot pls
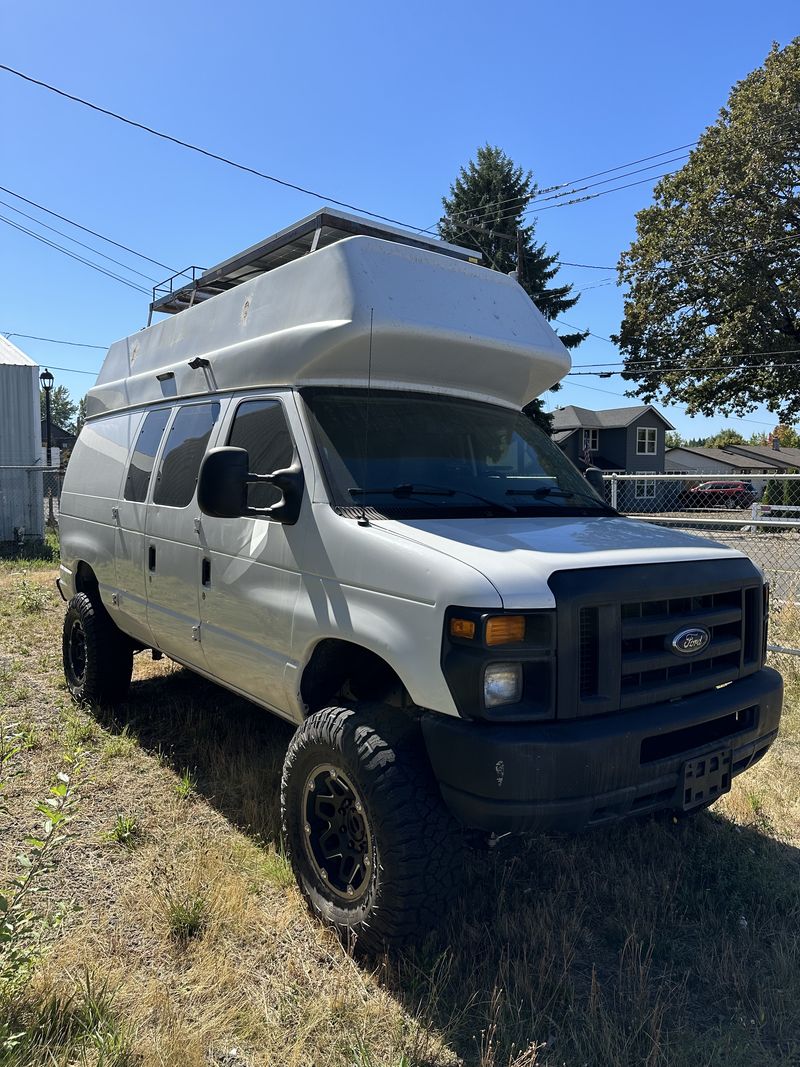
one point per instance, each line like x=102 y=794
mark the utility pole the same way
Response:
x=520 y=258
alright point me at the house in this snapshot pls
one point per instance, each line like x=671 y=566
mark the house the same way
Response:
x=21 y=508
x=60 y=438
x=626 y=440
x=775 y=456
x=704 y=461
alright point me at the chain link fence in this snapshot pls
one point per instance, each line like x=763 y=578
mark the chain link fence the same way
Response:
x=22 y=493
x=759 y=516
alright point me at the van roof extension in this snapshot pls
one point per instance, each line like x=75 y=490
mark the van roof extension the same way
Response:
x=438 y=323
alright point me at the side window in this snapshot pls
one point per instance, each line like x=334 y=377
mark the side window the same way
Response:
x=183 y=452
x=144 y=454
x=260 y=427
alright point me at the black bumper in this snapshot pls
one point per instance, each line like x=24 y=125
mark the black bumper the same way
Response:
x=584 y=772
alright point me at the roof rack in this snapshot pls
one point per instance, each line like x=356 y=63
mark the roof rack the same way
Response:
x=323 y=227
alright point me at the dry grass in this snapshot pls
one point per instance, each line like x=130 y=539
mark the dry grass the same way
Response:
x=649 y=944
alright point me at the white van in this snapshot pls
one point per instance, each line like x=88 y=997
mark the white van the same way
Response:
x=313 y=484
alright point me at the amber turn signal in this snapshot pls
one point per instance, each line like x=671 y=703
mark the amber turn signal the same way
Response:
x=505 y=629
x=462 y=628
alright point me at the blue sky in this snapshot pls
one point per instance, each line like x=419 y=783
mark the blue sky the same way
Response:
x=375 y=105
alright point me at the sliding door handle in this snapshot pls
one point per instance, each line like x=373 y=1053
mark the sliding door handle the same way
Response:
x=151 y=558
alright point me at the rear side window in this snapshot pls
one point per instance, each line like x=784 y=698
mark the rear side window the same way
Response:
x=260 y=426
x=144 y=454
x=183 y=452
x=97 y=464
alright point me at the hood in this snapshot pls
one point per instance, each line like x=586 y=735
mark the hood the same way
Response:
x=518 y=555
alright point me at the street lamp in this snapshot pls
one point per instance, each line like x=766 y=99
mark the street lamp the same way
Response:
x=46 y=379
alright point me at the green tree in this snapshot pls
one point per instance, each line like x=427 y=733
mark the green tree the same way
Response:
x=773 y=494
x=714 y=272
x=62 y=408
x=787 y=435
x=724 y=438
x=80 y=417
x=673 y=439
x=791 y=491
x=486 y=210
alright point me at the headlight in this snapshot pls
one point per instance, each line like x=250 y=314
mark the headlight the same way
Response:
x=502 y=684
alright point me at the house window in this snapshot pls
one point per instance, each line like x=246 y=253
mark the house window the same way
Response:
x=646 y=439
x=645 y=488
x=590 y=440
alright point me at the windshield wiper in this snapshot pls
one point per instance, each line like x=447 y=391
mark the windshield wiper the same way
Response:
x=407 y=489
x=556 y=490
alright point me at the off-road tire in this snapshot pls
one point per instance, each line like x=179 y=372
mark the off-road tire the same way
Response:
x=414 y=844
x=98 y=657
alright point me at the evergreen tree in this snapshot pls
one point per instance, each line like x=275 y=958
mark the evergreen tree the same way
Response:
x=773 y=494
x=486 y=210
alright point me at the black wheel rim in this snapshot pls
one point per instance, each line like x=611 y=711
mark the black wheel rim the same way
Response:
x=336 y=833
x=76 y=652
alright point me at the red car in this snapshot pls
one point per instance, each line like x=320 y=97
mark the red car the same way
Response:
x=722 y=494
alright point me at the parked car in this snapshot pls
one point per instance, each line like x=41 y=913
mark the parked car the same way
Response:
x=737 y=494
x=318 y=489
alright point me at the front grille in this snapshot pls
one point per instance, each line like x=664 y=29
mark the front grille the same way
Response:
x=589 y=637
x=616 y=625
x=652 y=671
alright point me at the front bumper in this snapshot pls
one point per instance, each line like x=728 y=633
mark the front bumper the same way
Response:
x=576 y=773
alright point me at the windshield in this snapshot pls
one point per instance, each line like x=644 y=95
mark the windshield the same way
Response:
x=428 y=454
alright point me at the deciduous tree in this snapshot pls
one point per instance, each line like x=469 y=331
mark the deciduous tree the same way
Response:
x=712 y=313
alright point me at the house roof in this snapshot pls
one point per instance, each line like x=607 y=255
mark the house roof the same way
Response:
x=775 y=457
x=723 y=455
x=12 y=356
x=572 y=417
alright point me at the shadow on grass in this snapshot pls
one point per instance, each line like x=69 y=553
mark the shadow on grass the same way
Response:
x=644 y=944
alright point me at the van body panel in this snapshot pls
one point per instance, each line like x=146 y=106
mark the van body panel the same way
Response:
x=519 y=555
x=90 y=498
x=363 y=585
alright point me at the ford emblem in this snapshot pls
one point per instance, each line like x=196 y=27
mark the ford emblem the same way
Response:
x=690 y=641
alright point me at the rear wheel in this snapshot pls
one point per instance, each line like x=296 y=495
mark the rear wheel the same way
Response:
x=374 y=849
x=98 y=657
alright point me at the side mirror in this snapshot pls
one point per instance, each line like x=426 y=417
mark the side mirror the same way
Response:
x=222 y=487
x=594 y=476
x=222 y=483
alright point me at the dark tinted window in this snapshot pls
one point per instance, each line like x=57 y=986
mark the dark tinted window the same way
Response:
x=185 y=448
x=260 y=427
x=144 y=453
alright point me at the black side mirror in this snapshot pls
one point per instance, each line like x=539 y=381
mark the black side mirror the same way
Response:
x=222 y=487
x=594 y=476
x=222 y=483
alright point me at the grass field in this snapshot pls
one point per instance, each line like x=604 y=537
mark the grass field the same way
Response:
x=173 y=933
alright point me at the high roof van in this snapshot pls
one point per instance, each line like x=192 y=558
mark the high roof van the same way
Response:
x=314 y=484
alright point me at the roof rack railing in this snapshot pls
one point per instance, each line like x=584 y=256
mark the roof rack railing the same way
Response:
x=322 y=228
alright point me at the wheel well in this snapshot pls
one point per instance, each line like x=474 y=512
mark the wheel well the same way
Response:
x=343 y=670
x=85 y=579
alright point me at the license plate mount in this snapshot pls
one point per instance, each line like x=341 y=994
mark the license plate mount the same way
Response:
x=706 y=778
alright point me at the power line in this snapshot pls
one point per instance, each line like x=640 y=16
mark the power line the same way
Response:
x=654 y=363
x=585 y=178
x=73 y=255
x=196 y=148
x=533 y=203
x=54 y=341
x=86 y=229
x=73 y=370
x=705 y=367
x=74 y=240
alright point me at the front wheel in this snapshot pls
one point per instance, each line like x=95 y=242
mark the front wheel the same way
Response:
x=373 y=848
x=98 y=657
